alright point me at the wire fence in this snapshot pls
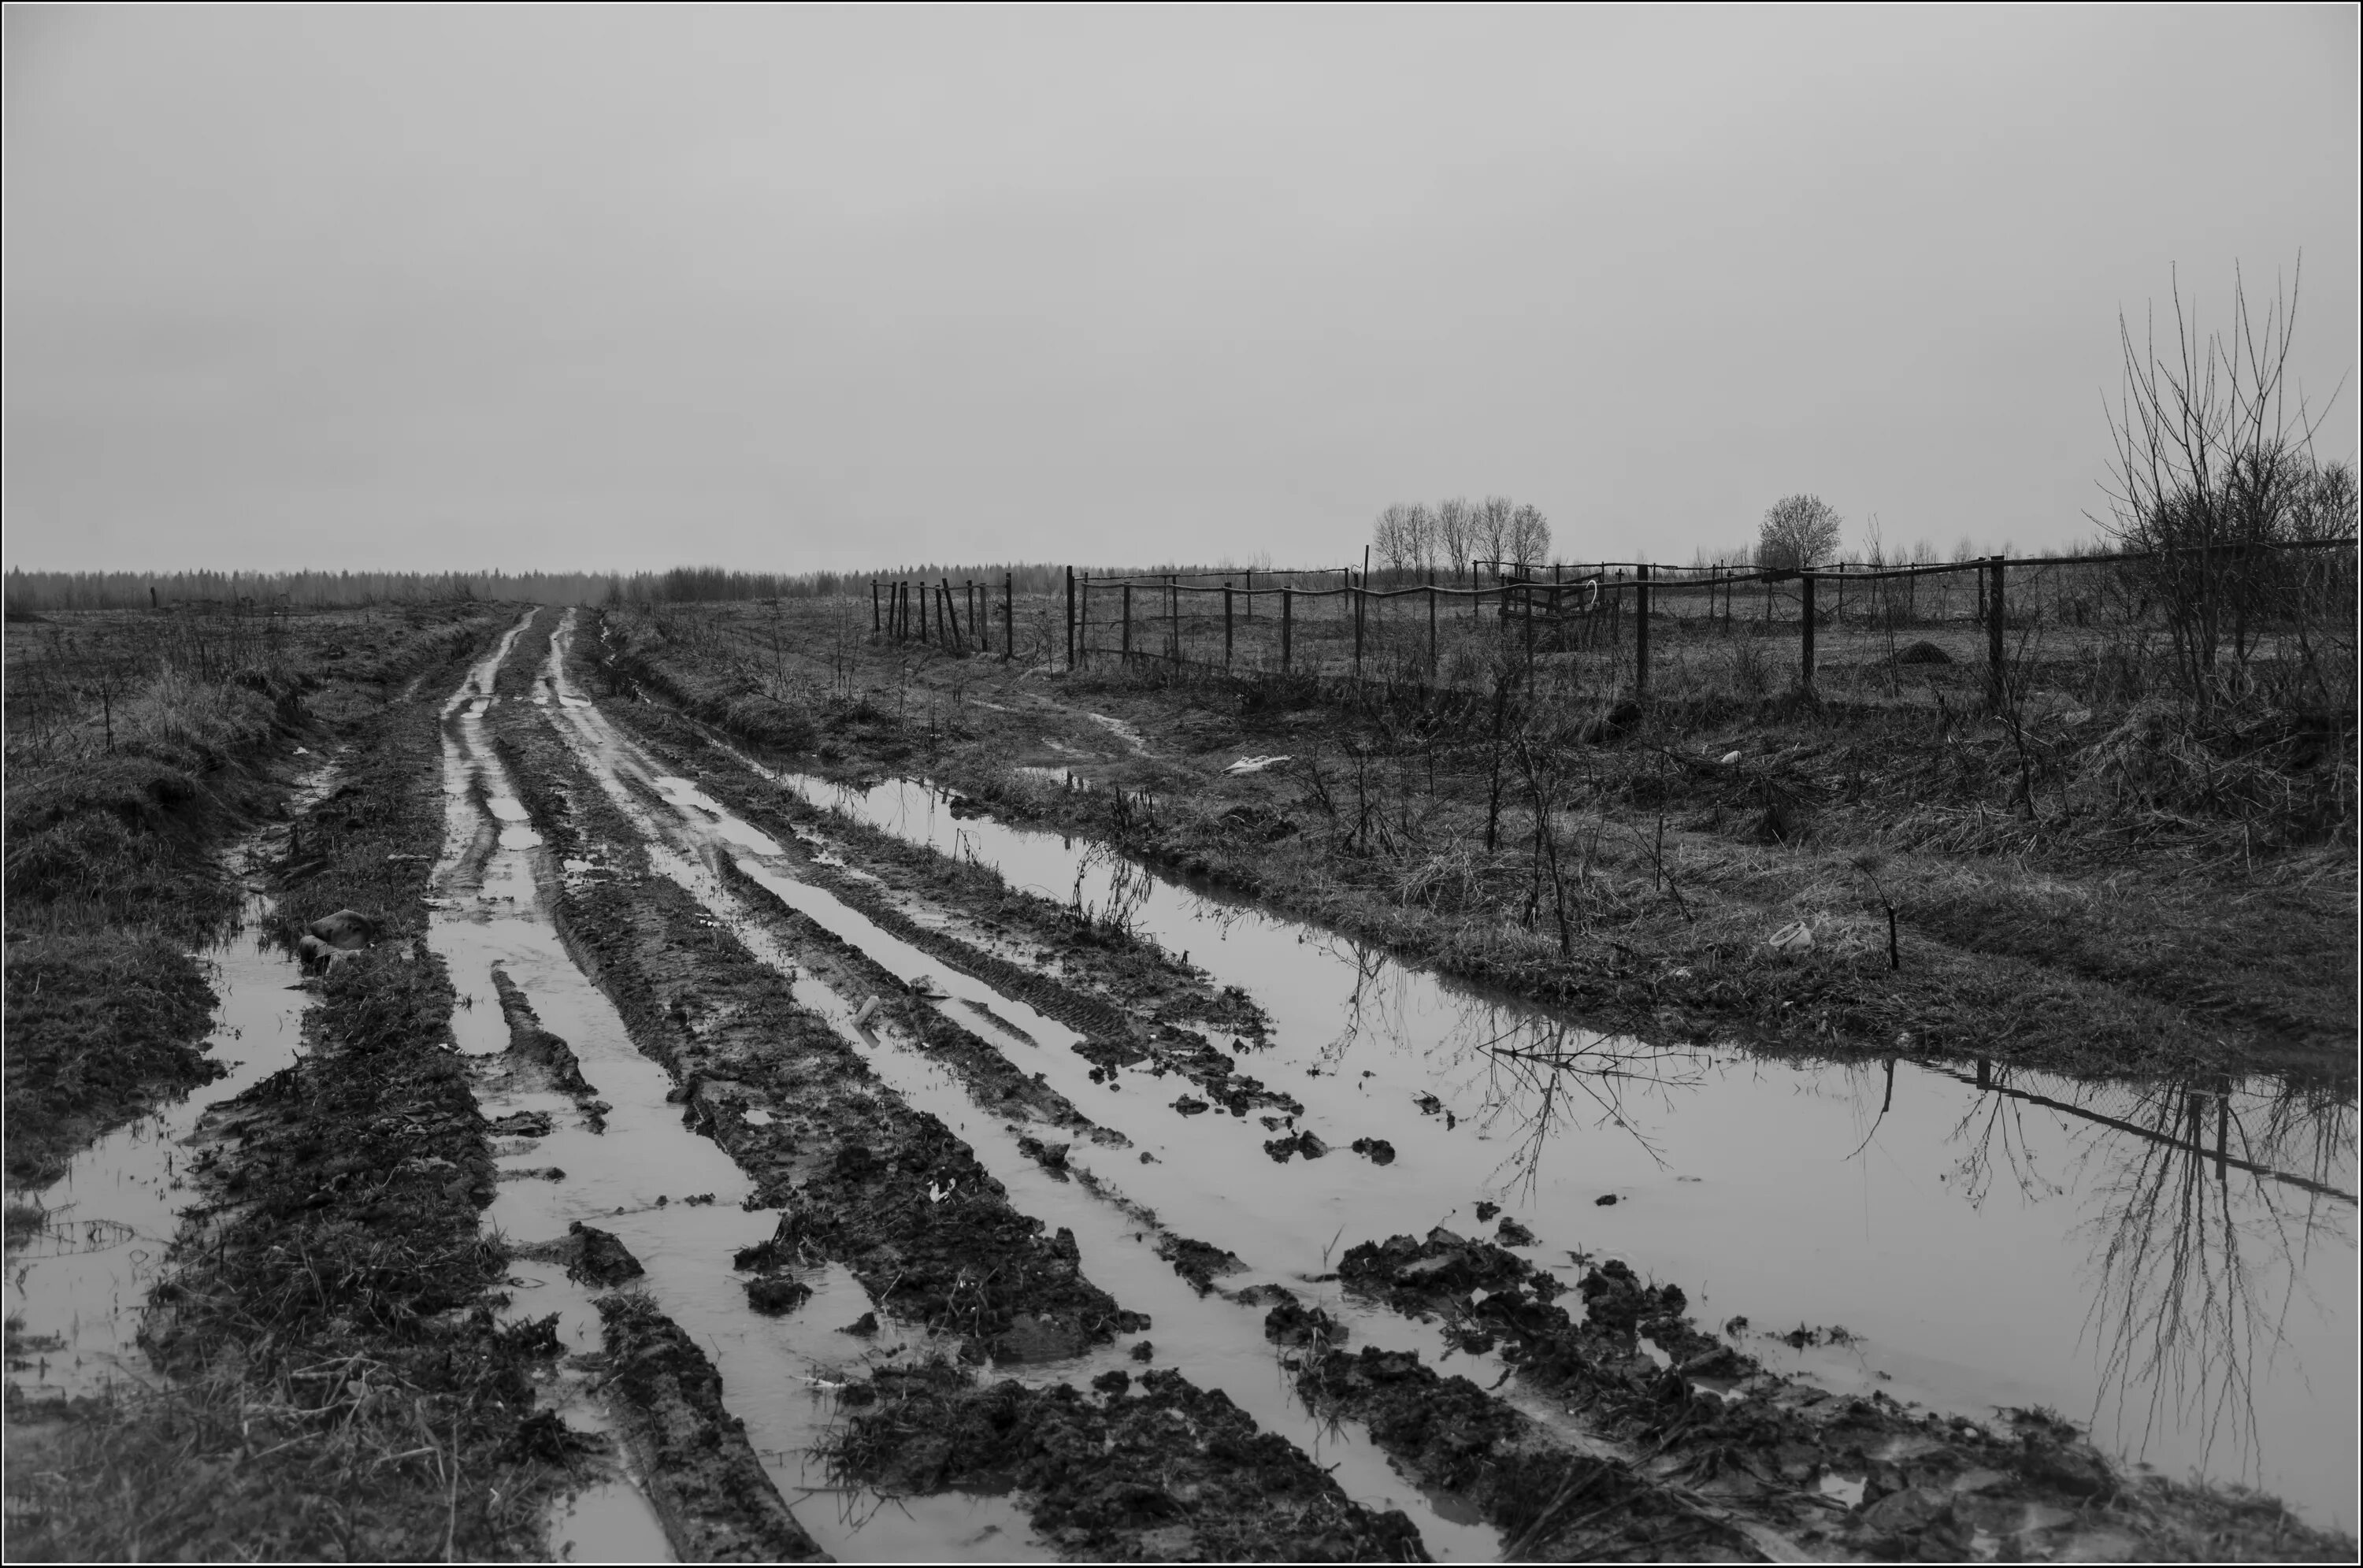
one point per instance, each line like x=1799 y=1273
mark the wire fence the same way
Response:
x=2225 y=620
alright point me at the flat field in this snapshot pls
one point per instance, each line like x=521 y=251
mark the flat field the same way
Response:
x=801 y=1090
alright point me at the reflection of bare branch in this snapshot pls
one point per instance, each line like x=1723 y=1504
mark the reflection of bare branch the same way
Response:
x=2187 y=1297
x=1537 y=1066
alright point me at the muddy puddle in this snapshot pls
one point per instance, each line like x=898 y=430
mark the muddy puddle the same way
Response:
x=1216 y=1343
x=671 y=1196
x=78 y=1284
x=2173 y=1262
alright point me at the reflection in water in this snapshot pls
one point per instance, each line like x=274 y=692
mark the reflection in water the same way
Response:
x=2172 y=1260
x=2200 y=1253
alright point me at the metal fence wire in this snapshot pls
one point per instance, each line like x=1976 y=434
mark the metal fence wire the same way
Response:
x=2081 y=629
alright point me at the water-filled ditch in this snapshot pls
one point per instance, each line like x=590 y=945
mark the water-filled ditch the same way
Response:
x=2171 y=1262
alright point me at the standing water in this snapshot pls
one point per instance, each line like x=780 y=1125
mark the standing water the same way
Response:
x=78 y=1285
x=2171 y=1262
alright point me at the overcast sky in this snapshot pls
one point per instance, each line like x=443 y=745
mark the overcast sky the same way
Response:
x=782 y=289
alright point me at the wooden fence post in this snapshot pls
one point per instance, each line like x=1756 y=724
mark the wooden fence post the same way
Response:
x=1641 y=635
x=1174 y=605
x=1354 y=604
x=1431 y=625
x=1997 y=673
x=1126 y=658
x=1227 y=625
x=1008 y=616
x=877 y=622
x=952 y=630
x=1805 y=668
x=1251 y=588
x=1287 y=625
x=1071 y=618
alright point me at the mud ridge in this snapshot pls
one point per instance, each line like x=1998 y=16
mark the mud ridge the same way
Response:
x=992 y=1079
x=890 y=1192
x=1153 y=1470
x=1127 y=1018
x=710 y=1491
x=1726 y=1446
x=552 y=1057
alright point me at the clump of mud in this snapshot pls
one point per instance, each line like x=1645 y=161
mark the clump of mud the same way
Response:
x=1152 y=1469
x=1741 y=1455
x=705 y=1482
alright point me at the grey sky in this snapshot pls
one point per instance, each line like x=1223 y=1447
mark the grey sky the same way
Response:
x=614 y=289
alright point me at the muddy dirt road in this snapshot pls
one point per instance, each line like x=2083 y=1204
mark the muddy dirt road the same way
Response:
x=908 y=1184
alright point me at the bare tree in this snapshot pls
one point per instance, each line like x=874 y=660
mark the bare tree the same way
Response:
x=1798 y=531
x=2213 y=465
x=1493 y=527
x=1419 y=524
x=1455 y=533
x=1390 y=537
x=1530 y=535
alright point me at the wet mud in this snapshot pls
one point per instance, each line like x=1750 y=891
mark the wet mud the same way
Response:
x=1713 y=1451
x=889 y=1192
x=333 y=1381
x=1135 y=1004
x=1138 y=1468
x=716 y=1503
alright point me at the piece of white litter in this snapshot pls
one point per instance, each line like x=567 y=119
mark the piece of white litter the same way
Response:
x=926 y=986
x=1254 y=764
x=1795 y=938
x=869 y=1010
x=937 y=1194
x=1729 y=758
x=302 y=751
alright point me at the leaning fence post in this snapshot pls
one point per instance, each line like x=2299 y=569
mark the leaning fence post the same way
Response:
x=1227 y=625
x=1641 y=635
x=1805 y=663
x=877 y=621
x=1287 y=625
x=1997 y=683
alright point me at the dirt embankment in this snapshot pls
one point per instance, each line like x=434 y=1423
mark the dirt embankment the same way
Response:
x=340 y=1387
x=2077 y=893
x=1717 y=1454
x=866 y=1180
x=114 y=847
x=1149 y=1470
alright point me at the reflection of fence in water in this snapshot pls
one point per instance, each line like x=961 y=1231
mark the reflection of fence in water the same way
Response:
x=2211 y=1198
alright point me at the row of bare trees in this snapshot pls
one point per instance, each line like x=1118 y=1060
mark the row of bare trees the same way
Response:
x=1450 y=536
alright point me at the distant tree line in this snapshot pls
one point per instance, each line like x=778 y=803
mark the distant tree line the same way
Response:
x=1450 y=536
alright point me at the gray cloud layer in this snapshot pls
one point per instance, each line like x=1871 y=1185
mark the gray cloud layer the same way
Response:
x=780 y=289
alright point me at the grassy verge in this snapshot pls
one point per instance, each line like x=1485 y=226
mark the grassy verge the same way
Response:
x=144 y=750
x=339 y=1386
